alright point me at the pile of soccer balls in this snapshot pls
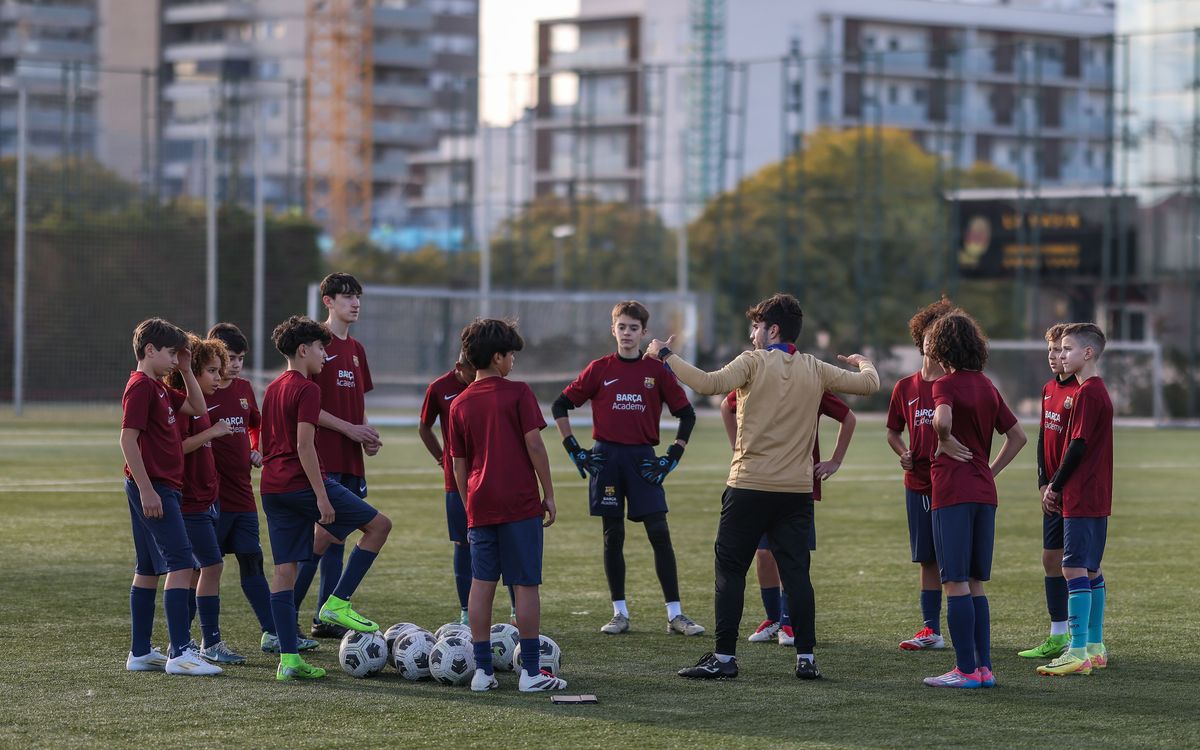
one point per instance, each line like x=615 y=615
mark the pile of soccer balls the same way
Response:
x=445 y=655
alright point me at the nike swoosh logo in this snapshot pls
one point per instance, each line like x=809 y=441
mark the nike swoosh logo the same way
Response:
x=162 y=395
x=330 y=359
x=610 y=382
x=447 y=398
x=915 y=400
x=1045 y=398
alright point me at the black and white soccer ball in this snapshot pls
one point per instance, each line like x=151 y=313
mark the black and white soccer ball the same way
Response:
x=505 y=640
x=410 y=654
x=549 y=658
x=362 y=654
x=453 y=628
x=452 y=661
x=392 y=634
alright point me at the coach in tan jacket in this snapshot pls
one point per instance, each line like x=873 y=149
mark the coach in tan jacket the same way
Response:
x=769 y=489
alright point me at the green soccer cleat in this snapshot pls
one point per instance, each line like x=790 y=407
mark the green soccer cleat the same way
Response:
x=1053 y=647
x=337 y=611
x=292 y=667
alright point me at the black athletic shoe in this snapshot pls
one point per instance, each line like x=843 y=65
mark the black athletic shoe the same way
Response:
x=711 y=668
x=327 y=630
x=806 y=669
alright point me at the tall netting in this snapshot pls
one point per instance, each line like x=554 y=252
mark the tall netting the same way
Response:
x=412 y=335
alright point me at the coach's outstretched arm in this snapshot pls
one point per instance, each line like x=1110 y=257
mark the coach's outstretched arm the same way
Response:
x=730 y=377
x=861 y=383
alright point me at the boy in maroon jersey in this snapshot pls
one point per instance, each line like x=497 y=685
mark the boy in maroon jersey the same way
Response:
x=199 y=497
x=436 y=409
x=627 y=394
x=499 y=461
x=1056 y=395
x=296 y=494
x=153 y=480
x=1081 y=490
x=967 y=410
x=911 y=407
x=344 y=433
x=235 y=454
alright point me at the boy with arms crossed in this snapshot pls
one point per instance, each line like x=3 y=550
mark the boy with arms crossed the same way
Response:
x=237 y=521
x=344 y=433
x=967 y=409
x=153 y=480
x=295 y=495
x=1081 y=490
x=499 y=460
x=1057 y=394
x=911 y=407
x=627 y=393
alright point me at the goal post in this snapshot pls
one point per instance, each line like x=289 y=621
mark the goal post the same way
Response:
x=411 y=334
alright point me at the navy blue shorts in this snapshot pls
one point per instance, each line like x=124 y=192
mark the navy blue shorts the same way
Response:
x=1052 y=531
x=620 y=483
x=291 y=515
x=202 y=533
x=963 y=535
x=512 y=550
x=456 y=517
x=764 y=542
x=160 y=545
x=237 y=532
x=920 y=526
x=357 y=485
x=1083 y=542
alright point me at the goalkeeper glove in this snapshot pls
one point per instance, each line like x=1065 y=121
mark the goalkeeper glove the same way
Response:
x=586 y=461
x=655 y=470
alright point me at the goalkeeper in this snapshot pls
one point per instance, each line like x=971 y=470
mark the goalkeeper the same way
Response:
x=627 y=393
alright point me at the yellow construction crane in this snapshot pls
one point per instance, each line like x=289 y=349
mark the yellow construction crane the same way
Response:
x=339 y=140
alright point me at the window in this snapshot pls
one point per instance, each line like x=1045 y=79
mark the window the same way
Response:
x=893 y=43
x=918 y=94
x=268 y=70
x=893 y=94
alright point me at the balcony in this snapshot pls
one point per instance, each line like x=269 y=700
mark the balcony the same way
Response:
x=400 y=55
x=412 y=19
x=201 y=51
x=50 y=121
x=901 y=114
x=404 y=133
x=590 y=58
x=402 y=95
x=61 y=16
x=390 y=169
x=209 y=12
x=55 y=50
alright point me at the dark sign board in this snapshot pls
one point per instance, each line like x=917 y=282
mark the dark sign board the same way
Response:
x=1059 y=236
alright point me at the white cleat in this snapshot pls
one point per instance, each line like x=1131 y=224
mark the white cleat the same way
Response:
x=191 y=663
x=155 y=661
x=540 y=683
x=786 y=636
x=683 y=625
x=765 y=633
x=483 y=682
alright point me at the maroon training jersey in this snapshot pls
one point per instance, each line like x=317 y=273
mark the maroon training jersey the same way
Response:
x=438 y=397
x=488 y=424
x=344 y=381
x=153 y=408
x=627 y=398
x=978 y=411
x=912 y=407
x=831 y=406
x=289 y=400
x=1088 y=493
x=235 y=403
x=1056 y=403
x=199 y=469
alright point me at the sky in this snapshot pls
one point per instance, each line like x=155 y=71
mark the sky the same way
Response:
x=507 y=45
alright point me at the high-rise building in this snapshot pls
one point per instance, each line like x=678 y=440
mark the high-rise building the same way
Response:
x=49 y=49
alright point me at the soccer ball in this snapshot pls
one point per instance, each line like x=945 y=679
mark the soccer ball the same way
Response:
x=505 y=640
x=452 y=661
x=453 y=628
x=410 y=654
x=394 y=632
x=362 y=654
x=550 y=658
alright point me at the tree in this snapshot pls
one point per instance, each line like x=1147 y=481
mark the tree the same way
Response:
x=854 y=225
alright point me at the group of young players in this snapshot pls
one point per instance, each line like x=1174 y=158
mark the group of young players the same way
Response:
x=192 y=431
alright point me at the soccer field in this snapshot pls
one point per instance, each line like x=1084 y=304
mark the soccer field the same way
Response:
x=66 y=561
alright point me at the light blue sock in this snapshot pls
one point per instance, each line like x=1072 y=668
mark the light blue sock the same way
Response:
x=1079 y=610
x=1096 y=616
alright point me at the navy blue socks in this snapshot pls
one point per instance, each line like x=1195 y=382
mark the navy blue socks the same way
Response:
x=356 y=567
x=210 y=619
x=331 y=574
x=283 y=609
x=175 y=606
x=771 y=602
x=983 y=631
x=960 y=617
x=531 y=656
x=1056 y=598
x=931 y=609
x=141 y=617
x=462 y=572
x=483 y=657
x=258 y=593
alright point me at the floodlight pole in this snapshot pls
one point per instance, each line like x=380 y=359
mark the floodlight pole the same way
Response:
x=260 y=250
x=210 y=216
x=18 y=392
